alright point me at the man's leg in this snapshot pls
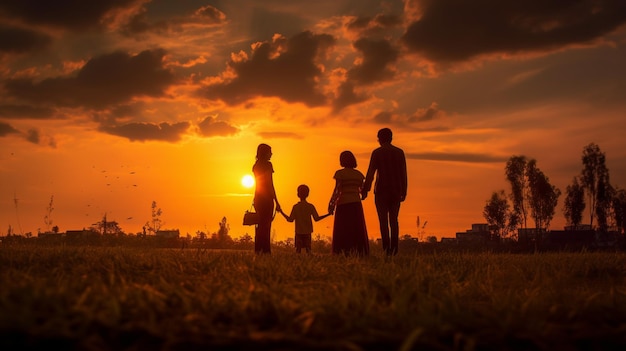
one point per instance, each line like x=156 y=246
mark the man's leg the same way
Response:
x=382 y=208
x=394 y=210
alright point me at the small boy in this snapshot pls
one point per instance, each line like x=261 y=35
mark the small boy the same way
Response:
x=301 y=213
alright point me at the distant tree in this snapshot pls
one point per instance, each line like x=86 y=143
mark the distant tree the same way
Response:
x=542 y=196
x=516 y=175
x=245 y=239
x=155 y=223
x=290 y=242
x=47 y=219
x=604 y=205
x=497 y=212
x=222 y=233
x=595 y=181
x=619 y=210
x=421 y=229
x=574 y=205
x=201 y=235
x=106 y=227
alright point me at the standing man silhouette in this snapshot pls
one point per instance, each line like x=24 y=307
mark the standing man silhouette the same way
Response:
x=389 y=164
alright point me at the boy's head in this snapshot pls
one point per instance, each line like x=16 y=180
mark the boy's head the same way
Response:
x=303 y=191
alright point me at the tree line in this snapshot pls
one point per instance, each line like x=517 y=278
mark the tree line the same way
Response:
x=532 y=195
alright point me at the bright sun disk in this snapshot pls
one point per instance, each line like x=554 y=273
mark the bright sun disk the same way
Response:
x=247 y=181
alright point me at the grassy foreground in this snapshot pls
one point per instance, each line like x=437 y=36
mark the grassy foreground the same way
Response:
x=170 y=299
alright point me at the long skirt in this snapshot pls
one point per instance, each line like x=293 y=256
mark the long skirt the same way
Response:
x=349 y=230
x=262 y=231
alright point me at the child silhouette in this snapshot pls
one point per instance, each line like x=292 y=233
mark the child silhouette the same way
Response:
x=301 y=213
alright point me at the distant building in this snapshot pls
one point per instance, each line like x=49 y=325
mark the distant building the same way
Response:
x=479 y=233
x=49 y=235
x=570 y=228
x=81 y=234
x=169 y=234
x=571 y=238
x=530 y=234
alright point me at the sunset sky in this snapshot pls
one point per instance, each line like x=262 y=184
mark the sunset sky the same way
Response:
x=107 y=106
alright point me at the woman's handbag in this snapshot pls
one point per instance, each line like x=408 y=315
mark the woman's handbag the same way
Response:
x=250 y=217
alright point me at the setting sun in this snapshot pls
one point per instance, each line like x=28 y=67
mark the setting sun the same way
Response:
x=247 y=181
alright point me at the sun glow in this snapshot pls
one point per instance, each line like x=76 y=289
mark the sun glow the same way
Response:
x=247 y=181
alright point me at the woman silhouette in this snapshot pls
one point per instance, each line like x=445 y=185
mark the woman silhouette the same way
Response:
x=349 y=230
x=264 y=198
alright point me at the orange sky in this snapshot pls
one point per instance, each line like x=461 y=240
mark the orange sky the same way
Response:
x=109 y=107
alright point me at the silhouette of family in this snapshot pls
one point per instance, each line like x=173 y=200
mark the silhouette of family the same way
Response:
x=387 y=165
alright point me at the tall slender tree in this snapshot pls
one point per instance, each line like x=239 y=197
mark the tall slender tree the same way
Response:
x=595 y=180
x=155 y=222
x=47 y=219
x=574 y=205
x=603 y=204
x=619 y=210
x=542 y=196
x=516 y=175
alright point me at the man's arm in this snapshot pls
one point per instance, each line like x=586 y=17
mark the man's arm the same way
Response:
x=404 y=177
x=369 y=177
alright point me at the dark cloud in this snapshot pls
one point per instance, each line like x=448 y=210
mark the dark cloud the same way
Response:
x=359 y=23
x=210 y=126
x=105 y=80
x=376 y=66
x=25 y=112
x=287 y=69
x=346 y=96
x=211 y=14
x=387 y=21
x=68 y=14
x=383 y=117
x=457 y=30
x=148 y=131
x=32 y=135
x=457 y=157
x=6 y=129
x=378 y=55
x=430 y=113
x=380 y=21
x=19 y=40
x=140 y=23
x=427 y=114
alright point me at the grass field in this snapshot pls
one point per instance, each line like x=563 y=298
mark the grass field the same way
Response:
x=98 y=298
